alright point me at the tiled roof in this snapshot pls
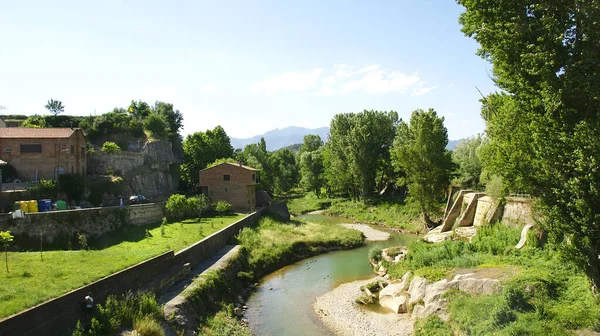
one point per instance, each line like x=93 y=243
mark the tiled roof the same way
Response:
x=42 y=133
x=233 y=164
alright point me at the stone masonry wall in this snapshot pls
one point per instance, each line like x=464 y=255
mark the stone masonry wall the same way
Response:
x=59 y=316
x=93 y=222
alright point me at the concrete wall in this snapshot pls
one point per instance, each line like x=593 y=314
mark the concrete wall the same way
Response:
x=484 y=205
x=59 y=316
x=93 y=222
x=518 y=211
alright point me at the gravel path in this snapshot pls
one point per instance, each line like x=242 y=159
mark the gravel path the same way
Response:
x=370 y=233
x=343 y=316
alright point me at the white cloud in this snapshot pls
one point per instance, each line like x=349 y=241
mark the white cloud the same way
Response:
x=380 y=81
x=329 y=80
x=208 y=88
x=422 y=90
x=288 y=81
x=450 y=114
x=325 y=91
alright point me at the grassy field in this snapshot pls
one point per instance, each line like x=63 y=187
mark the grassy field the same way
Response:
x=32 y=281
x=545 y=295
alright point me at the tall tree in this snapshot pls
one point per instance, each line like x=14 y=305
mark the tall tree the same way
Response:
x=420 y=152
x=311 y=142
x=546 y=56
x=357 y=144
x=55 y=106
x=311 y=168
x=285 y=169
x=466 y=157
x=201 y=149
x=256 y=156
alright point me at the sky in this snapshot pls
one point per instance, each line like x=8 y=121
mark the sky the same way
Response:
x=249 y=66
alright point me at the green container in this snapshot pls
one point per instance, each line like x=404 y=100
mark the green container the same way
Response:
x=61 y=205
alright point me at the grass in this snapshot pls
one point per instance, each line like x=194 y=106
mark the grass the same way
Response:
x=403 y=215
x=549 y=295
x=28 y=282
x=300 y=202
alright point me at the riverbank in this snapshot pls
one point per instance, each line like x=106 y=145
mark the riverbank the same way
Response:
x=342 y=315
x=370 y=233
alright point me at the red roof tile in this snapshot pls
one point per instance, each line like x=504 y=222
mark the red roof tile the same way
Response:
x=41 y=133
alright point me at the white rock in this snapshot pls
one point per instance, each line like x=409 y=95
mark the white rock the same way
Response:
x=417 y=289
x=397 y=304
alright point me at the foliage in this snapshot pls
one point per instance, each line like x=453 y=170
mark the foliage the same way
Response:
x=285 y=169
x=201 y=149
x=432 y=326
x=72 y=185
x=257 y=156
x=358 y=147
x=156 y=125
x=544 y=130
x=299 y=202
x=5 y=239
x=221 y=160
x=375 y=254
x=420 y=152
x=466 y=158
x=107 y=185
x=55 y=106
x=140 y=311
x=43 y=189
x=180 y=207
x=311 y=170
x=310 y=143
x=224 y=323
x=222 y=207
x=111 y=148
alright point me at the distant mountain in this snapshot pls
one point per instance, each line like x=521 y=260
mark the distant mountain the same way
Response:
x=452 y=144
x=279 y=138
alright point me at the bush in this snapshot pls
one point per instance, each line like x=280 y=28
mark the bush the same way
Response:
x=222 y=207
x=432 y=326
x=176 y=206
x=72 y=185
x=148 y=326
x=9 y=172
x=43 y=189
x=156 y=125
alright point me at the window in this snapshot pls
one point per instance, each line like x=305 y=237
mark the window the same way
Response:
x=7 y=150
x=253 y=177
x=72 y=150
x=226 y=177
x=31 y=148
x=225 y=189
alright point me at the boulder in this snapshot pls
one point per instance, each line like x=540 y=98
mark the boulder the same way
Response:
x=397 y=304
x=479 y=286
x=417 y=289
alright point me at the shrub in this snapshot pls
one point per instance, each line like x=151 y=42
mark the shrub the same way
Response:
x=432 y=326
x=177 y=206
x=375 y=254
x=8 y=172
x=148 y=326
x=43 y=189
x=222 y=207
x=110 y=148
x=72 y=185
x=156 y=125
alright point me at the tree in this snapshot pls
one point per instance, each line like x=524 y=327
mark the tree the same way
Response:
x=285 y=169
x=55 y=106
x=311 y=142
x=156 y=125
x=5 y=239
x=420 y=152
x=111 y=149
x=358 y=144
x=546 y=57
x=256 y=156
x=139 y=110
x=466 y=157
x=201 y=149
x=311 y=168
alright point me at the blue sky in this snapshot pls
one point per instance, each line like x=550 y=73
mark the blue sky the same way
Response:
x=250 y=66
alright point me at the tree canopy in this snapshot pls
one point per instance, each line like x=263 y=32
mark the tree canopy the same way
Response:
x=466 y=157
x=546 y=129
x=419 y=151
x=201 y=149
x=55 y=106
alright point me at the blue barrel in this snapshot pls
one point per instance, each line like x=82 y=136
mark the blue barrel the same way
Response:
x=45 y=205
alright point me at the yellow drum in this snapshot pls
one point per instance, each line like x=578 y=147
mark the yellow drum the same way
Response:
x=33 y=206
x=25 y=206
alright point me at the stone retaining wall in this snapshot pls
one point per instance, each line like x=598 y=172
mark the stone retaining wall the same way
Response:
x=59 y=226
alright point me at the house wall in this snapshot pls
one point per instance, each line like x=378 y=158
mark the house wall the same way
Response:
x=240 y=190
x=59 y=316
x=45 y=162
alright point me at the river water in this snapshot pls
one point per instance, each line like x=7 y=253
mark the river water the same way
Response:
x=286 y=309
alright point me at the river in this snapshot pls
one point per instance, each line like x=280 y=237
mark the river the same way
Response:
x=286 y=309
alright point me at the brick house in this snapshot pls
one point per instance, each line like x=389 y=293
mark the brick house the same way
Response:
x=231 y=182
x=43 y=153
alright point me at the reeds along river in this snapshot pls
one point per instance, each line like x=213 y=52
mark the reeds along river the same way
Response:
x=287 y=308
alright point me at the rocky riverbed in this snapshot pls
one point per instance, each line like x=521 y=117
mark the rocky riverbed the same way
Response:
x=341 y=314
x=370 y=233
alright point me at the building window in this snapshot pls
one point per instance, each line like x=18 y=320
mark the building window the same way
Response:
x=7 y=150
x=72 y=150
x=253 y=177
x=58 y=170
x=31 y=148
x=226 y=177
x=225 y=189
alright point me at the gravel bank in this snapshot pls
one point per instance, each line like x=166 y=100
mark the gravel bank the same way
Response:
x=343 y=316
x=370 y=233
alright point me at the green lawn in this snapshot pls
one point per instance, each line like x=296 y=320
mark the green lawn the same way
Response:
x=32 y=281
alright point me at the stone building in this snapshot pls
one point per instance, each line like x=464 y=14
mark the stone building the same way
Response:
x=43 y=153
x=231 y=182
